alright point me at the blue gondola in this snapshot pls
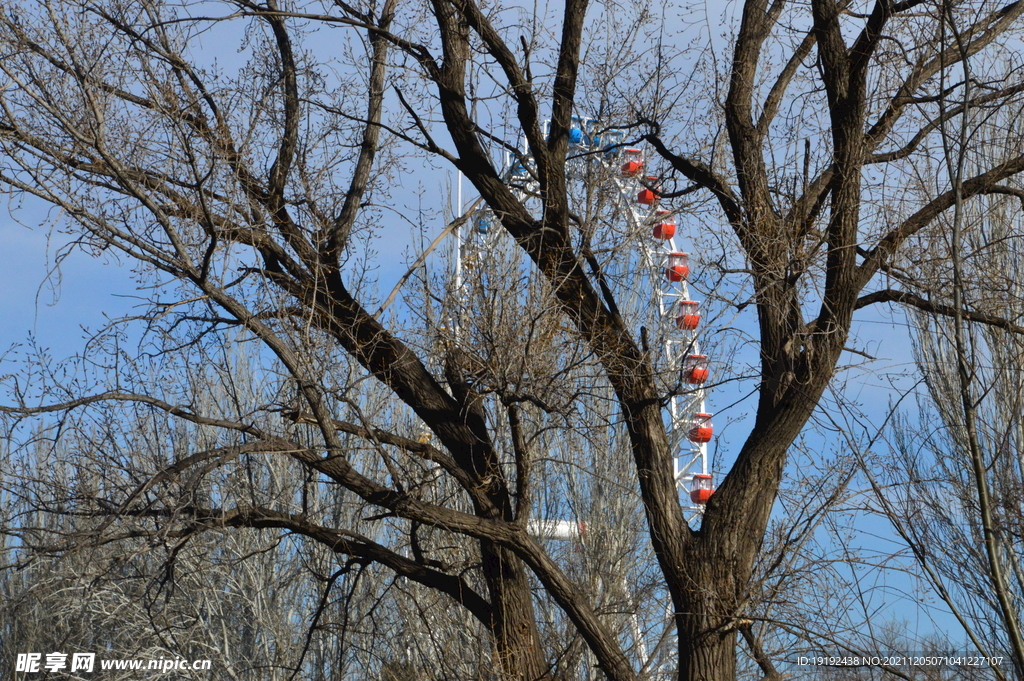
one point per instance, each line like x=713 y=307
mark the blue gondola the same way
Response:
x=612 y=143
x=482 y=221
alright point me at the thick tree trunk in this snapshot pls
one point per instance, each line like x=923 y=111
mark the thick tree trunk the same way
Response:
x=711 y=600
x=707 y=655
x=518 y=650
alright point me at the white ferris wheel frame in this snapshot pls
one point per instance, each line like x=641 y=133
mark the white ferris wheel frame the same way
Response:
x=691 y=458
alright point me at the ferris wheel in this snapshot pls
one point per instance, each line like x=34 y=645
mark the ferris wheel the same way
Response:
x=651 y=225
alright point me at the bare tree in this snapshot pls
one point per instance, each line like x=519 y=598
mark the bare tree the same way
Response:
x=244 y=198
x=964 y=478
x=957 y=498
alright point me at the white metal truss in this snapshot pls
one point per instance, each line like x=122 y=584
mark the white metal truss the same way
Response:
x=677 y=342
x=592 y=143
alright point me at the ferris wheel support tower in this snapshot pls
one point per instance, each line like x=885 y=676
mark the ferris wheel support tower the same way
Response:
x=652 y=226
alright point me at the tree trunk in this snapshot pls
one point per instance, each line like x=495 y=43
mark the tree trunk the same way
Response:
x=711 y=599
x=707 y=655
x=514 y=624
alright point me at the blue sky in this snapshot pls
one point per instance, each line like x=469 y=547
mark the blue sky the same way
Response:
x=53 y=304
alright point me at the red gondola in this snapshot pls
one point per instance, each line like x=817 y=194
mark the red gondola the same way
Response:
x=634 y=163
x=695 y=369
x=701 y=429
x=688 y=318
x=648 y=197
x=664 y=225
x=677 y=267
x=701 y=489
